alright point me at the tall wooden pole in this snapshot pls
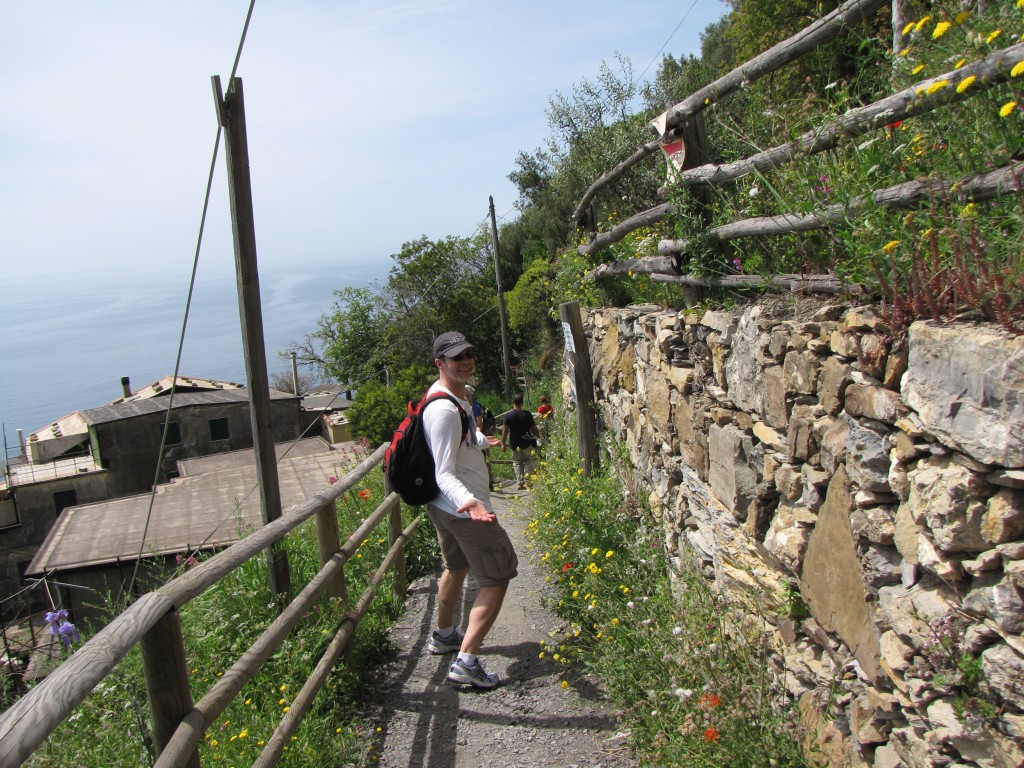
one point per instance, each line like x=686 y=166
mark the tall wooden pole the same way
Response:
x=578 y=354
x=231 y=113
x=503 y=314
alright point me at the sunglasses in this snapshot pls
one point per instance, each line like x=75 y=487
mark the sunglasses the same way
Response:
x=471 y=354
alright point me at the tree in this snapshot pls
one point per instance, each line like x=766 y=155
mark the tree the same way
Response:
x=378 y=410
x=530 y=302
x=309 y=381
x=345 y=345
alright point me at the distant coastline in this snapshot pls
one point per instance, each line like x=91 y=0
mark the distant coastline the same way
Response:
x=67 y=340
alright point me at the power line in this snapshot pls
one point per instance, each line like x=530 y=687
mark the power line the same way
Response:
x=188 y=305
x=685 y=15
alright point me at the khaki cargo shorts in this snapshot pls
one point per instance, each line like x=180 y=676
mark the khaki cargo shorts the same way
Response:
x=484 y=548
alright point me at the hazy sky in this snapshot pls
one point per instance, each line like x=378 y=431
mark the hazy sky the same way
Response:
x=369 y=123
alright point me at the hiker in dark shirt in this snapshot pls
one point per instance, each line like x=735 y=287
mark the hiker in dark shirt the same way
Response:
x=520 y=431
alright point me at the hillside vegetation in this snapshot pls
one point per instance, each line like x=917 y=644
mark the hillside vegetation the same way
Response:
x=947 y=256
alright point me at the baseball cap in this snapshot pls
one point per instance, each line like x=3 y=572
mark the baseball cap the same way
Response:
x=450 y=344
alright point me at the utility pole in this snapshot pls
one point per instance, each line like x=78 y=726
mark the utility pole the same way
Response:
x=501 y=302
x=231 y=114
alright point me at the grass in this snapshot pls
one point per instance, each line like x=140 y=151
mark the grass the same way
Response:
x=112 y=726
x=689 y=670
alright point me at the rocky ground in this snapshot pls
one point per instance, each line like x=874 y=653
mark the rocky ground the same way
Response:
x=529 y=720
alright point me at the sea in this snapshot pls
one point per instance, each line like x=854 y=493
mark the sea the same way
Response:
x=66 y=340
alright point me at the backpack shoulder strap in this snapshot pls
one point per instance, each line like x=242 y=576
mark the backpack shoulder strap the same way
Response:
x=428 y=399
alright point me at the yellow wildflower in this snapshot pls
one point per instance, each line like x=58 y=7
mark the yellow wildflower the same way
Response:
x=921 y=24
x=565 y=684
x=964 y=15
x=890 y=246
x=937 y=86
x=970 y=210
x=610 y=553
x=993 y=36
x=594 y=551
x=1018 y=69
x=959 y=63
x=917 y=69
x=909 y=27
x=940 y=29
x=1007 y=109
x=965 y=84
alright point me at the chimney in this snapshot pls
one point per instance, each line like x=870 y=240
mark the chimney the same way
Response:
x=126 y=386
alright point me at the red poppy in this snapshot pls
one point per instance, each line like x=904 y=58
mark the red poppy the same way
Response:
x=709 y=700
x=364 y=495
x=566 y=567
x=711 y=734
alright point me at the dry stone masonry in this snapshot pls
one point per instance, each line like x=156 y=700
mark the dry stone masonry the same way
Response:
x=866 y=497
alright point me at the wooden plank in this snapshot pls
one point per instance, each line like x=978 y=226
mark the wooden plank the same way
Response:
x=991 y=71
x=776 y=57
x=166 y=672
x=328 y=538
x=197 y=580
x=274 y=747
x=578 y=353
x=394 y=534
x=826 y=28
x=33 y=717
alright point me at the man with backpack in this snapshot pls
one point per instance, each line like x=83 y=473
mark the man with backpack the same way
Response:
x=520 y=430
x=470 y=536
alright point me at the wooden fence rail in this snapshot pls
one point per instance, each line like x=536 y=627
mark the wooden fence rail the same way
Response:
x=153 y=623
x=821 y=31
x=925 y=96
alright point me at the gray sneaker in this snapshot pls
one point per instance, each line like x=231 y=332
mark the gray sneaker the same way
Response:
x=445 y=643
x=471 y=674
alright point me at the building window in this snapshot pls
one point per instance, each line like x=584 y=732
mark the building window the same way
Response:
x=173 y=433
x=219 y=429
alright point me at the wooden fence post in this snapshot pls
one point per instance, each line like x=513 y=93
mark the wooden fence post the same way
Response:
x=329 y=542
x=394 y=532
x=582 y=377
x=166 y=671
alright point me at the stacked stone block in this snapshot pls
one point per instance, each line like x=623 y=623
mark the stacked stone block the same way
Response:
x=882 y=477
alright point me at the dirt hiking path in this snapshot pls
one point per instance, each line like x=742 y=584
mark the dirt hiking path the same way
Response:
x=528 y=720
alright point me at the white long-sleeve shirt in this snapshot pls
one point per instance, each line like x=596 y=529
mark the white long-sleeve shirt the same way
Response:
x=459 y=464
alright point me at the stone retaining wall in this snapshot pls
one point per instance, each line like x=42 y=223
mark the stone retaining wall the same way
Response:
x=886 y=486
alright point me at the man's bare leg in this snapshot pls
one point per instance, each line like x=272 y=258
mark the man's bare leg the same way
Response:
x=449 y=592
x=481 y=617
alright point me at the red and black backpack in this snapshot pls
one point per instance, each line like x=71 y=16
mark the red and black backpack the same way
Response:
x=408 y=462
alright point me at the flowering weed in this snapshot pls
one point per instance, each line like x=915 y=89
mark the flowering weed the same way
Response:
x=689 y=671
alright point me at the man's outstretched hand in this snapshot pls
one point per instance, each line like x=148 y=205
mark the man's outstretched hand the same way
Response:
x=477 y=511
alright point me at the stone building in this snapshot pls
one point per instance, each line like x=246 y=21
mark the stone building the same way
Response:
x=111 y=451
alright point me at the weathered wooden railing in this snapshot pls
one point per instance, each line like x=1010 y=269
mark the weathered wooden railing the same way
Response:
x=928 y=95
x=154 y=624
